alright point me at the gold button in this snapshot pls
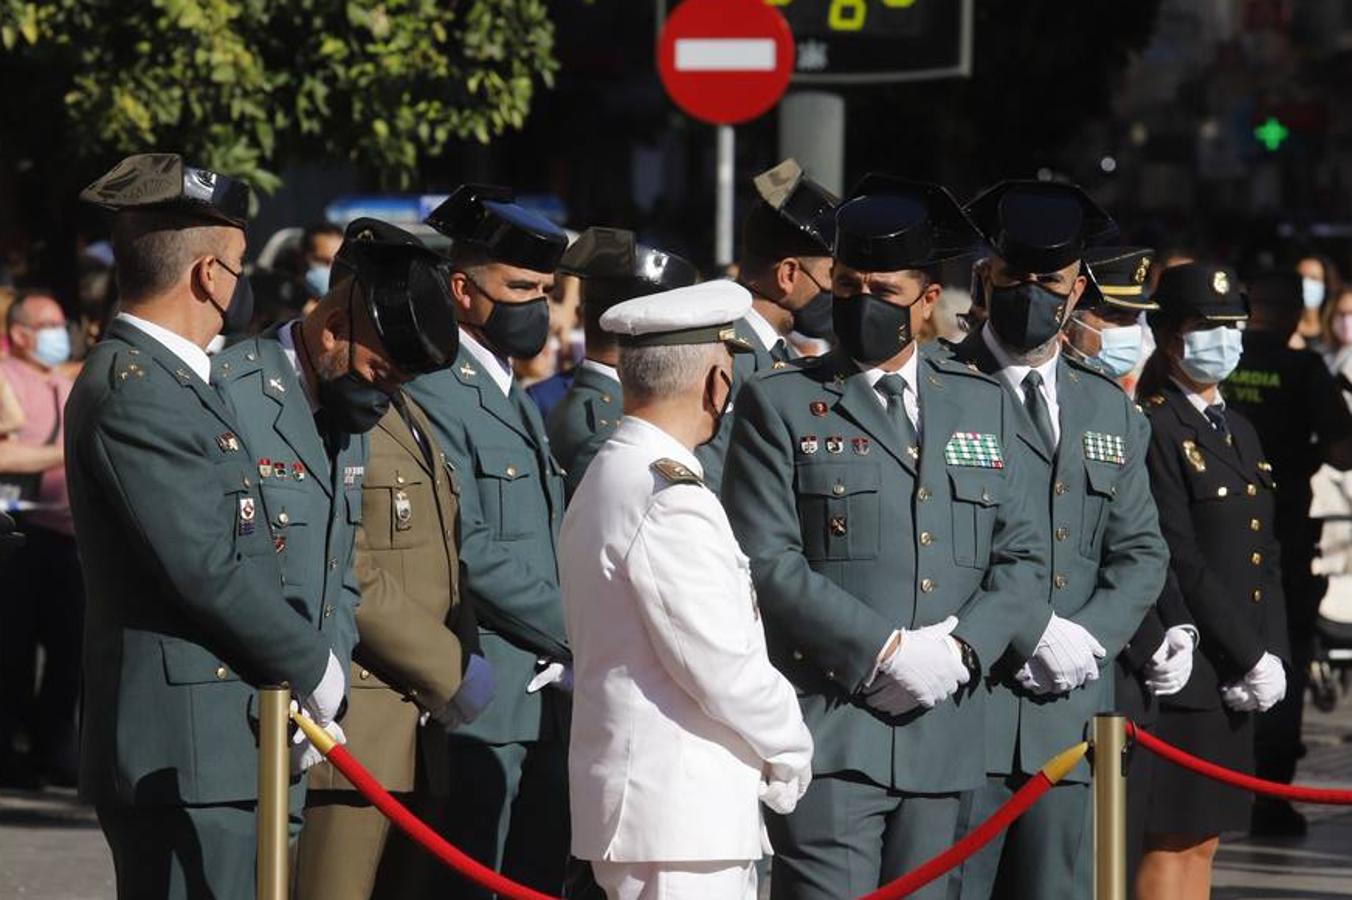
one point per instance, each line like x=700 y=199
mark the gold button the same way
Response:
x=926 y=538
x=798 y=655
x=605 y=398
x=246 y=481
x=985 y=496
x=250 y=356
x=221 y=673
x=363 y=674
x=838 y=489
x=1222 y=491
x=1257 y=596
x=1251 y=490
x=1256 y=559
x=1255 y=525
x=511 y=471
x=1060 y=581
x=830 y=674
x=1062 y=533
x=1061 y=488
x=283 y=518
x=399 y=479
x=328 y=610
x=927 y=585
x=923 y=494
x=333 y=564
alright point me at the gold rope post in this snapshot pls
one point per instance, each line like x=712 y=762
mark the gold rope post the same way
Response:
x=274 y=770
x=1110 y=808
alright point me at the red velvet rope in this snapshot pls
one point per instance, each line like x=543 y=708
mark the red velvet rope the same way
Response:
x=1236 y=779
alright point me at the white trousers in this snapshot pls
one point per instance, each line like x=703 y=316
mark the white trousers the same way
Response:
x=713 y=880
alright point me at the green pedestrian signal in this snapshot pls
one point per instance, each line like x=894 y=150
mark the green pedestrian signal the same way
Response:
x=1272 y=133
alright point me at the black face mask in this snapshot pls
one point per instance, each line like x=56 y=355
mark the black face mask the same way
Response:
x=351 y=403
x=871 y=330
x=1025 y=316
x=236 y=318
x=723 y=411
x=518 y=330
x=814 y=320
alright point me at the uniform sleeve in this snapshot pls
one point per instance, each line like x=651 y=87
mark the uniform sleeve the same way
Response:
x=690 y=592
x=1012 y=607
x=1134 y=556
x=1203 y=593
x=409 y=648
x=185 y=508
x=513 y=600
x=833 y=629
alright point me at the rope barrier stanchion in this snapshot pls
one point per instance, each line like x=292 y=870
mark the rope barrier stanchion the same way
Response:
x=1325 y=796
x=408 y=823
x=274 y=771
x=1110 y=808
x=1055 y=769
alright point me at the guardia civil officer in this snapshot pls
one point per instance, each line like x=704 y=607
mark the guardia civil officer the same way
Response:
x=1088 y=443
x=885 y=501
x=187 y=608
x=1214 y=489
x=1106 y=328
x=786 y=264
x=1302 y=421
x=613 y=267
x=507 y=799
x=680 y=723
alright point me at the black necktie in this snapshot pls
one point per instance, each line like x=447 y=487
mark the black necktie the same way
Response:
x=894 y=388
x=780 y=351
x=1215 y=414
x=418 y=437
x=1036 y=404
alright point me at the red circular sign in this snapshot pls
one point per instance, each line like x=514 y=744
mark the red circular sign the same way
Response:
x=725 y=61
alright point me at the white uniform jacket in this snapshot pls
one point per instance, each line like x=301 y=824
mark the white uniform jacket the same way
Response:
x=676 y=706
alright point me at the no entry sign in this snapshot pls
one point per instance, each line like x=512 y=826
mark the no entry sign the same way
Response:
x=725 y=61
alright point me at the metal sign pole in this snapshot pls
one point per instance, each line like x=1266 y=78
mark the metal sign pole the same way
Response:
x=723 y=200
x=274 y=770
x=1110 y=808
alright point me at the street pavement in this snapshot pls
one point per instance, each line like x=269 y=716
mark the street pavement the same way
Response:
x=51 y=848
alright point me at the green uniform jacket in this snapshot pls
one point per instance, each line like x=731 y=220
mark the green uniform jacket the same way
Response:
x=852 y=535
x=511 y=505
x=186 y=609
x=312 y=506
x=582 y=421
x=1108 y=560
x=713 y=453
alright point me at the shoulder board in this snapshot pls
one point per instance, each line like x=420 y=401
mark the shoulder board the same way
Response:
x=674 y=472
x=802 y=364
x=239 y=359
x=949 y=365
x=128 y=366
x=1151 y=403
x=1083 y=366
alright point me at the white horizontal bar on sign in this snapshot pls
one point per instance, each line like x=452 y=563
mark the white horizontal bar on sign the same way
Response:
x=725 y=55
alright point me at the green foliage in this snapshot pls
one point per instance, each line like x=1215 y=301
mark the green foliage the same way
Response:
x=241 y=85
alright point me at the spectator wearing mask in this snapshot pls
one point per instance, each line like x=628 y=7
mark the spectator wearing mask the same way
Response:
x=319 y=245
x=44 y=595
x=1320 y=285
x=1337 y=319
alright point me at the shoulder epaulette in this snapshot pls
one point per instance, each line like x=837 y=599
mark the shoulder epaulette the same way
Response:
x=1154 y=401
x=1092 y=369
x=236 y=360
x=128 y=365
x=675 y=472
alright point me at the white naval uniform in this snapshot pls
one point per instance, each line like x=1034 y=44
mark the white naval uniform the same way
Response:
x=676 y=707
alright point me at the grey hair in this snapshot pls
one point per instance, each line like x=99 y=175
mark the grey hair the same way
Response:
x=651 y=372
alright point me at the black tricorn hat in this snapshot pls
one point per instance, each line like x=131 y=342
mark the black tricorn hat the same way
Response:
x=406 y=288
x=1040 y=226
x=803 y=208
x=1118 y=277
x=489 y=218
x=614 y=266
x=1200 y=289
x=165 y=181
x=890 y=224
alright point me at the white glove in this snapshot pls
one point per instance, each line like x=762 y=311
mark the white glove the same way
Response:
x=783 y=786
x=1069 y=653
x=1238 y=697
x=475 y=691
x=1267 y=681
x=327 y=699
x=1035 y=677
x=1171 y=666
x=305 y=754
x=924 y=669
x=556 y=674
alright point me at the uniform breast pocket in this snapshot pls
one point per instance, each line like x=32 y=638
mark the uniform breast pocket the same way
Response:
x=976 y=498
x=398 y=507
x=244 y=510
x=1100 y=491
x=838 y=510
x=292 y=526
x=510 y=490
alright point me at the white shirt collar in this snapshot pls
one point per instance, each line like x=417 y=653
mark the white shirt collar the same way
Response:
x=193 y=356
x=497 y=367
x=1197 y=400
x=287 y=338
x=601 y=368
x=764 y=331
x=1014 y=372
x=909 y=371
x=641 y=432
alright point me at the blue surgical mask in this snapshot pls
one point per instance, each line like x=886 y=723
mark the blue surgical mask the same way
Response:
x=1312 y=292
x=1119 y=348
x=1210 y=356
x=317 y=279
x=52 y=347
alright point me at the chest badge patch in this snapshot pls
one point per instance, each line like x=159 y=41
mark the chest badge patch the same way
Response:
x=972 y=448
x=351 y=474
x=227 y=442
x=1194 y=456
x=817 y=407
x=860 y=445
x=403 y=511
x=835 y=444
x=298 y=471
x=247 y=512
x=807 y=444
x=264 y=467
x=1105 y=448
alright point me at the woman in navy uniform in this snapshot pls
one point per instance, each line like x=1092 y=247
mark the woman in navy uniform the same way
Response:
x=1214 y=490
